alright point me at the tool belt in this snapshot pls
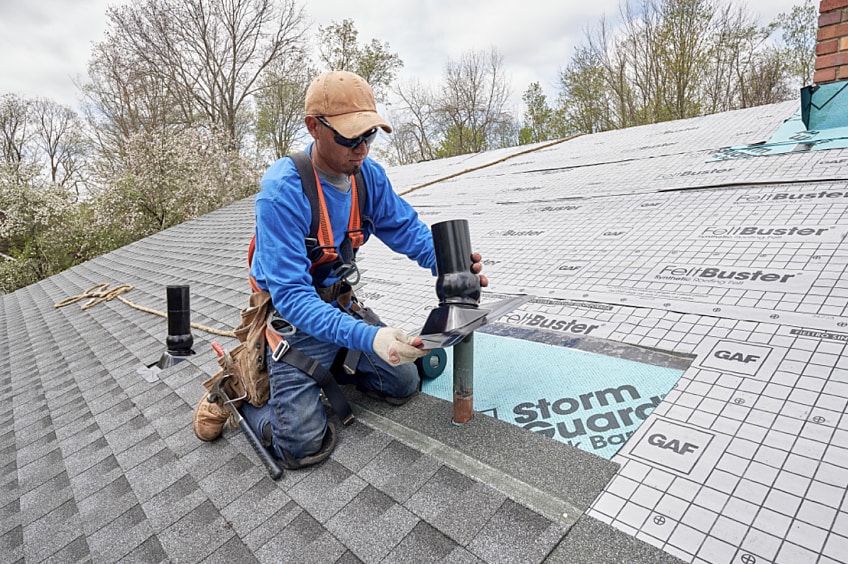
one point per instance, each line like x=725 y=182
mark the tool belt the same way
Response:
x=249 y=381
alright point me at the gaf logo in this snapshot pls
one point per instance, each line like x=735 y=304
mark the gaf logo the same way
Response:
x=672 y=445
x=569 y=268
x=736 y=357
x=613 y=233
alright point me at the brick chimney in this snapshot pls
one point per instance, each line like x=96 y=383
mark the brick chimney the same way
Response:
x=824 y=104
x=832 y=45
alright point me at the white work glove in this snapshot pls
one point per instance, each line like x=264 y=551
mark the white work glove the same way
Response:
x=396 y=347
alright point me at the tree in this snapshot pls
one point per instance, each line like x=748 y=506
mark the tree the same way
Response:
x=280 y=105
x=33 y=219
x=198 y=59
x=123 y=98
x=663 y=46
x=169 y=178
x=58 y=133
x=42 y=138
x=669 y=59
x=608 y=55
x=682 y=46
x=505 y=131
x=415 y=130
x=465 y=113
x=472 y=102
x=340 y=50
x=585 y=103
x=729 y=67
x=14 y=131
x=537 y=117
x=766 y=83
x=799 y=28
x=742 y=69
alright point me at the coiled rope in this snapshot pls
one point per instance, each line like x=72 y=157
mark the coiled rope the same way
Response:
x=102 y=293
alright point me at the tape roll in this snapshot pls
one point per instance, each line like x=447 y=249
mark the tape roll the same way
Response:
x=433 y=364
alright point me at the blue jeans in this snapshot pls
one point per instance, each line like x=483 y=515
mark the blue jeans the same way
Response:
x=294 y=410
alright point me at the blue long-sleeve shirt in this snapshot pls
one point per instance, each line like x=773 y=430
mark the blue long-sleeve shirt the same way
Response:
x=280 y=264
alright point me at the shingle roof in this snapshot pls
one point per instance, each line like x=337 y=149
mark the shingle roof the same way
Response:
x=99 y=462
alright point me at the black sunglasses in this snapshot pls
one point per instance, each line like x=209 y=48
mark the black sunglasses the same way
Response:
x=368 y=137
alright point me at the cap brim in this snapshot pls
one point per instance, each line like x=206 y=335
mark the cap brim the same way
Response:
x=356 y=123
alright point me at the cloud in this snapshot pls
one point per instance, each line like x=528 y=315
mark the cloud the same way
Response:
x=45 y=44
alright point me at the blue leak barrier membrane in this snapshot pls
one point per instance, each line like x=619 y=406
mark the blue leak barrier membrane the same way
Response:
x=791 y=137
x=590 y=401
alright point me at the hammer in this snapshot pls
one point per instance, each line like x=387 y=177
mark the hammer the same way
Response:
x=218 y=391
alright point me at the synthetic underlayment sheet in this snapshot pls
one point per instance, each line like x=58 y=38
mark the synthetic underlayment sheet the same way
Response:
x=741 y=264
x=588 y=400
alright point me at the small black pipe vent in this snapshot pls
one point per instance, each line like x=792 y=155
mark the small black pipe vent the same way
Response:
x=456 y=284
x=179 y=340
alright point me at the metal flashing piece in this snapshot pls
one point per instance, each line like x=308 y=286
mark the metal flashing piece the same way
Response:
x=449 y=324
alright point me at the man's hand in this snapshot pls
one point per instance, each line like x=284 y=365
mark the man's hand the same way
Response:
x=477 y=266
x=396 y=347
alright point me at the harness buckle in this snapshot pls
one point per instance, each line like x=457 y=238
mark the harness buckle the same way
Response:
x=280 y=326
x=345 y=271
x=281 y=350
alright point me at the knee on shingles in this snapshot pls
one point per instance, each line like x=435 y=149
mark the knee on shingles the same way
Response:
x=300 y=438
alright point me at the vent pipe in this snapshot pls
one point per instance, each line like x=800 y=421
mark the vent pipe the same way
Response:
x=458 y=290
x=179 y=340
x=453 y=322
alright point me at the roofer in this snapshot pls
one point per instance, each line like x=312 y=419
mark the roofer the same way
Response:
x=312 y=294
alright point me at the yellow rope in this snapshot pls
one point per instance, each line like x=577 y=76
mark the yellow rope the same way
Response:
x=101 y=293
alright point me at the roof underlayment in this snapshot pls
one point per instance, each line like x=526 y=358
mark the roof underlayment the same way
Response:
x=732 y=268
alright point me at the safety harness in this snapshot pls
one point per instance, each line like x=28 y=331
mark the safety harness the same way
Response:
x=326 y=261
x=320 y=245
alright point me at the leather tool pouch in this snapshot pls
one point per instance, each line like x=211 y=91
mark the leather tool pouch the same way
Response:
x=249 y=371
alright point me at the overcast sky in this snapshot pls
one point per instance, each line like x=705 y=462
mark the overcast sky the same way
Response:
x=45 y=44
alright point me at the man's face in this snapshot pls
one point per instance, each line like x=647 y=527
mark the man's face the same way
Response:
x=329 y=155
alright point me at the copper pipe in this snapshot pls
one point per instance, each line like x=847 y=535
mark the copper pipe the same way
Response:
x=463 y=380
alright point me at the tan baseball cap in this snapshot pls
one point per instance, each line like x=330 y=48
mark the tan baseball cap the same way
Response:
x=346 y=101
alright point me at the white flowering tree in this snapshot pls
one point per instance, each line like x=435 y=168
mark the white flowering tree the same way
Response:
x=169 y=178
x=34 y=226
